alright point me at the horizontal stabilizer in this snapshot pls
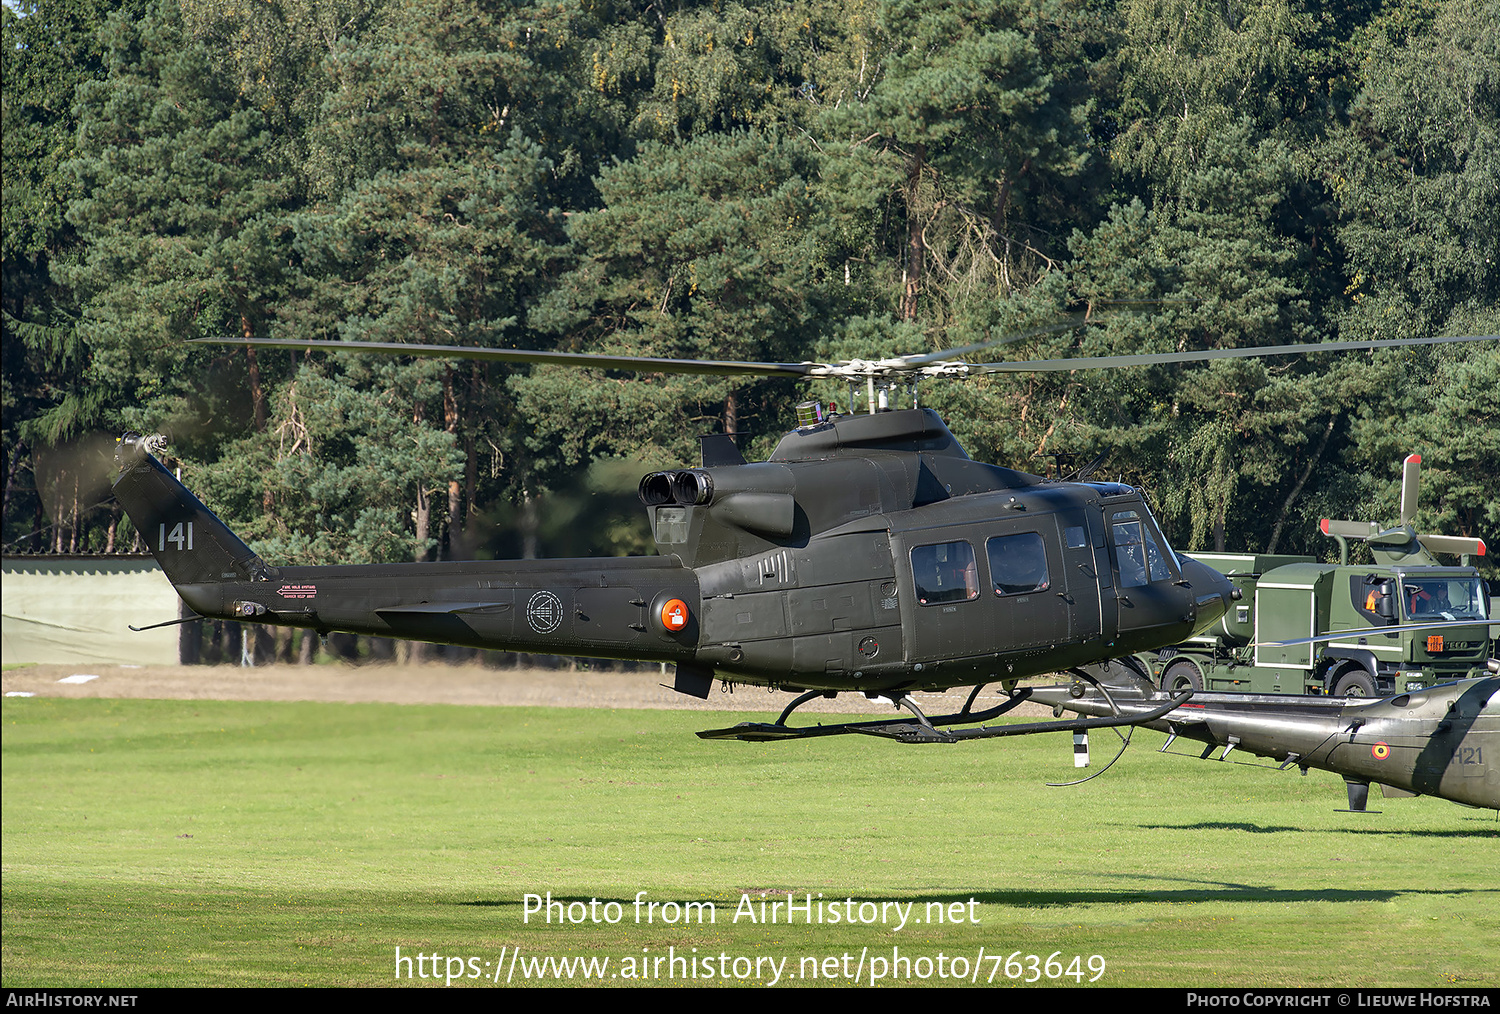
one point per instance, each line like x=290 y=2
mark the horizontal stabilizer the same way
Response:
x=441 y=608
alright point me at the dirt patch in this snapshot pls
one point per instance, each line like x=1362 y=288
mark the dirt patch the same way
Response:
x=437 y=684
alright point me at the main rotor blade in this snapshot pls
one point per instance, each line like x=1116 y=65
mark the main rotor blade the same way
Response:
x=1097 y=313
x=934 y=363
x=640 y=364
x=1111 y=362
x=1454 y=544
x=1076 y=320
x=1367 y=631
x=1411 y=472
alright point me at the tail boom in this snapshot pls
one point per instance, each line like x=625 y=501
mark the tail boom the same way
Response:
x=642 y=608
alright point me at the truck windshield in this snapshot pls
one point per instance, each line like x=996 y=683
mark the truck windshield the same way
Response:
x=1443 y=598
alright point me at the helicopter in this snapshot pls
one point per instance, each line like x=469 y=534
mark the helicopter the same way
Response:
x=1441 y=741
x=869 y=553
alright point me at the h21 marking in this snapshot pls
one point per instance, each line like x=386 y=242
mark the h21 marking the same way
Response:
x=181 y=536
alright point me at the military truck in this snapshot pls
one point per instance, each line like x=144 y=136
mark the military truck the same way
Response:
x=1291 y=599
x=1273 y=641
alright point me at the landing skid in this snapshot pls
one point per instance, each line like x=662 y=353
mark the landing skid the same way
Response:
x=929 y=730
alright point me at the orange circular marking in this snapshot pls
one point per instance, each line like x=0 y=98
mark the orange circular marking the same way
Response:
x=1380 y=751
x=674 y=615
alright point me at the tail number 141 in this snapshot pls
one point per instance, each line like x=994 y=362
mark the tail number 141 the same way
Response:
x=180 y=536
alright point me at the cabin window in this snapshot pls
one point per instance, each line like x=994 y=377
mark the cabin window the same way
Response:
x=1371 y=595
x=945 y=573
x=1137 y=555
x=1018 y=563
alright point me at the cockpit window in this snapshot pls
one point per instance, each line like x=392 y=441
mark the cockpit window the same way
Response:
x=1137 y=552
x=945 y=573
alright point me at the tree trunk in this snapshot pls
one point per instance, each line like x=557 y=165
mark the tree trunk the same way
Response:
x=189 y=638
x=455 y=508
x=307 y=651
x=233 y=643
x=257 y=396
x=471 y=482
x=73 y=517
x=1291 y=497
x=263 y=647
x=1000 y=222
x=11 y=465
x=912 y=275
x=530 y=523
x=424 y=524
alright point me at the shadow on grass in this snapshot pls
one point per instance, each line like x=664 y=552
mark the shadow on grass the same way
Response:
x=1200 y=891
x=1279 y=828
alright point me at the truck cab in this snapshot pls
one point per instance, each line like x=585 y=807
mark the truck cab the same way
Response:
x=1262 y=646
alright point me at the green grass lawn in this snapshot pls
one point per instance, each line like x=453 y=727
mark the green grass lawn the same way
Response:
x=158 y=843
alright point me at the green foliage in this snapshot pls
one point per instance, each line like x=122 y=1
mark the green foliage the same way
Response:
x=977 y=119
x=335 y=477
x=181 y=217
x=49 y=48
x=747 y=180
x=713 y=249
x=1190 y=72
x=1417 y=174
x=1209 y=435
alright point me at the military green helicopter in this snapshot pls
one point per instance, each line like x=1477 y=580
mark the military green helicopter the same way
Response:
x=1441 y=741
x=869 y=553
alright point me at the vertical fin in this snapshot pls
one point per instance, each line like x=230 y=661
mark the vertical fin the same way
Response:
x=192 y=545
x=718 y=449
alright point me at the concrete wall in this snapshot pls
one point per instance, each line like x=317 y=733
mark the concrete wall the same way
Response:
x=76 y=609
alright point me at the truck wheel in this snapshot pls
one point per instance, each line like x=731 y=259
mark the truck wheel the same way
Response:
x=1181 y=676
x=1139 y=667
x=1354 y=683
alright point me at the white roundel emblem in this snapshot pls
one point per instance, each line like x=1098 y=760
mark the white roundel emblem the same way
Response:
x=544 y=612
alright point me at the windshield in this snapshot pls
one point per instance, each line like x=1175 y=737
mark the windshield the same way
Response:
x=1137 y=553
x=1443 y=598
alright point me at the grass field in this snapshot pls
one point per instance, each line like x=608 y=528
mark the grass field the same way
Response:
x=158 y=843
